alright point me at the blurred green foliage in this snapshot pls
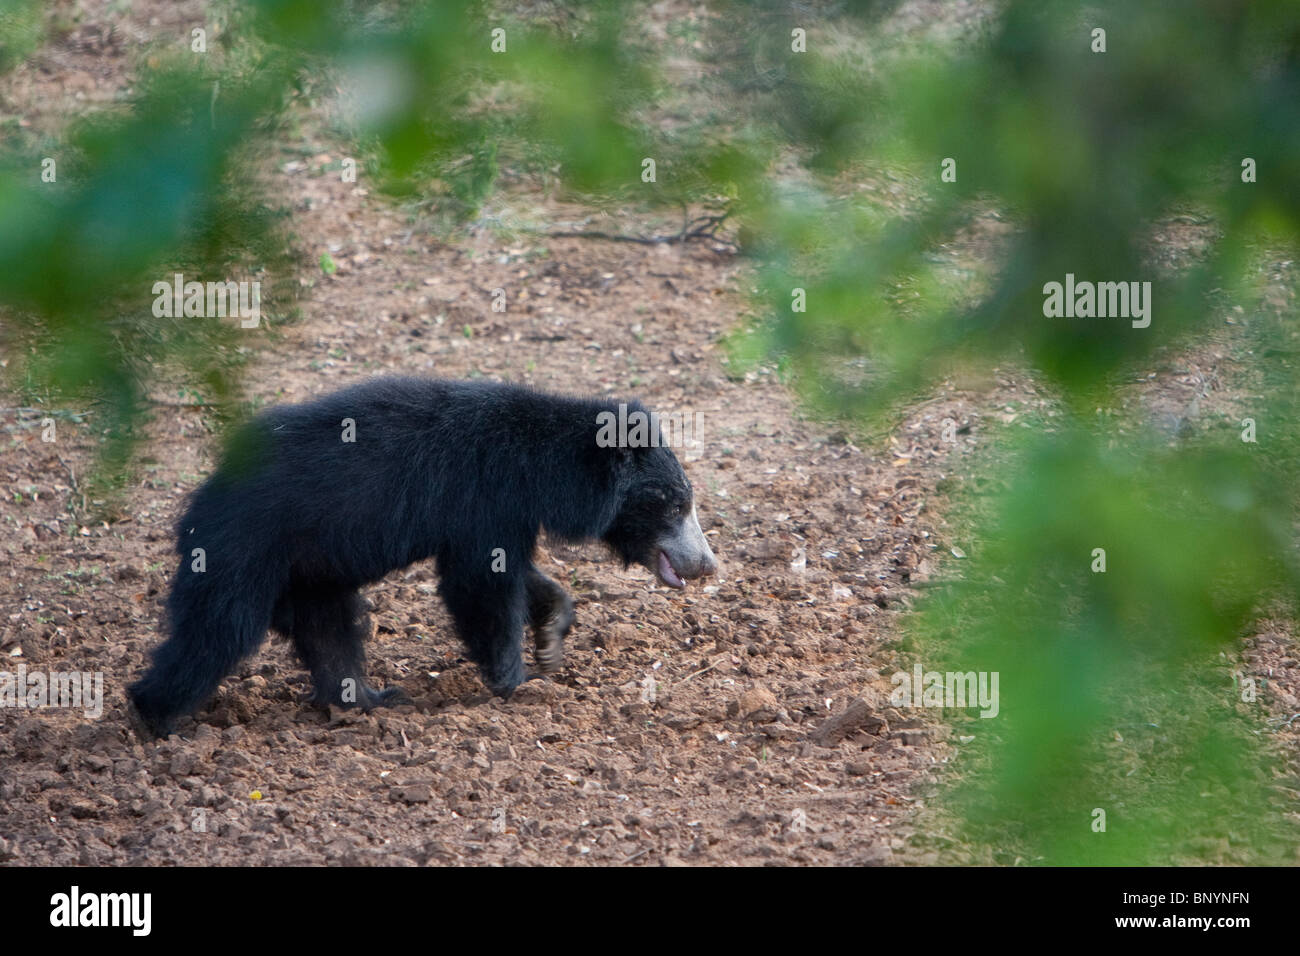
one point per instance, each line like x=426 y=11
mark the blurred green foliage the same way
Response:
x=1113 y=693
x=20 y=31
x=123 y=199
x=828 y=162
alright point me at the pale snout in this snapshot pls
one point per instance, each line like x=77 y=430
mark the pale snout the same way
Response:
x=684 y=554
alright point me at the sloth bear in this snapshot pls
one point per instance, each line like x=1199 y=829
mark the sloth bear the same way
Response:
x=312 y=501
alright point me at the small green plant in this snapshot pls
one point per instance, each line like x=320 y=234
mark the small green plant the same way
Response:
x=21 y=30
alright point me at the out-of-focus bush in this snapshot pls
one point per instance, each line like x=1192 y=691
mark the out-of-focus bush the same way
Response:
x=1173 y=157
x=20 y=31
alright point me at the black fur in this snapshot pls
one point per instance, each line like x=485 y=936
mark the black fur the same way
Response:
x=296 y=520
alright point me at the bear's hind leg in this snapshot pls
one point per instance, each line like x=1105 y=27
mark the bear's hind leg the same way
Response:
x=214 y=623
x=550 y=612
x=329 y=629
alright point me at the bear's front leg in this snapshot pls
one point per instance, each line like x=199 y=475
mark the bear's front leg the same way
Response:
x=550 y=612
x=489 y=610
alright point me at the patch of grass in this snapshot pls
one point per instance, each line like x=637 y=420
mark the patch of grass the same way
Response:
x=21 y=31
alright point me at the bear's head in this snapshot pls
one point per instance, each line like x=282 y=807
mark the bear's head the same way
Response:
x=656 y=525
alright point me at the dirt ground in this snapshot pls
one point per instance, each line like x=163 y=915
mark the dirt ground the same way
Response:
x=712 y=726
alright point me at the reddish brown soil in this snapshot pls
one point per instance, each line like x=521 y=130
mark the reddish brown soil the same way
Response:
x=727 y=761
x=712 y=769
x=819 y=540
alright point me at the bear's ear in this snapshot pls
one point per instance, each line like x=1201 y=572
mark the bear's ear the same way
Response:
x=623 y=465
x=624 y=458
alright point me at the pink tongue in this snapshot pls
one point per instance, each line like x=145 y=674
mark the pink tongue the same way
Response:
x=667 y=574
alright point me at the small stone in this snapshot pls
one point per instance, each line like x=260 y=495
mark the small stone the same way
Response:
x=857 y=717
x=759 y=705
x=413 y=793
